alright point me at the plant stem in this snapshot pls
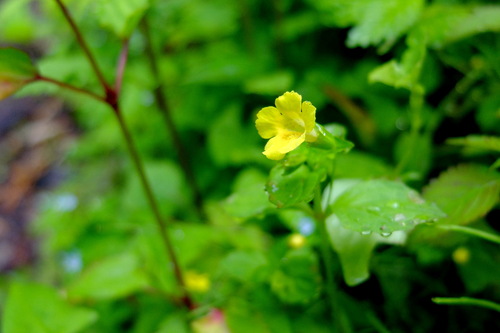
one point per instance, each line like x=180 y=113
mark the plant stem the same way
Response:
x=467 y=301
x=470 y=231
x=327 y=258
x=161 y=100
x=83 y=44
x=70 y=87
x=161 y=223
x=359 y=118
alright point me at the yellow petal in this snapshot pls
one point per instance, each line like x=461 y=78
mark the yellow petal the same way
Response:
x=289 y=103
x=268 y=121
x=308 y=115
x=277 y=147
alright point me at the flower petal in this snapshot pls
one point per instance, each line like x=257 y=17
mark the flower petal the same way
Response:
x=284 y=142
x=289 y=103
x=269 y=120
x=309 y=118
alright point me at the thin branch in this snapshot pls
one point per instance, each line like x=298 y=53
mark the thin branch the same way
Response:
x=83 y=45
x=70 y=87
x=120 y=67
x=161 y=223
x=169 y=122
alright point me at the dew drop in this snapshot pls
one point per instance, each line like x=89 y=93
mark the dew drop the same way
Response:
x=385 y=234
x=399 y=217
x=274 y=188
x=366 y=232
x=395 y=205
x=374 y=209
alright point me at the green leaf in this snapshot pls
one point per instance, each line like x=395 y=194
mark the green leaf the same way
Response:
x=110 y=278
x=382 y=206
x=477 y=144
x=380 y=21
x=249 y=197
x=442 y=24
x=16 y=70
x=465 y=193
x=360 y=165
x=417 y=151
x=404 y=73
x=40 y=309
x=288 y=186
x=121 y=17
x=297 y=279
x=374 y=21
x=355 y=249
x=242 y=148
x=243 y=265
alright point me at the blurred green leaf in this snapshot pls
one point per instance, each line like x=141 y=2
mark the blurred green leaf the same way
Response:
x=297 y=278
x=240 y=149
x=477 y=144
x=382 y=206
x=374 y=21
x=360 y=165
x=110 y=278
x=404 y=73
x=121 y=17
x=36 y=308
x=465 y=193
x=168 y=185
x=488 y=115
x=249 y=196
x=244 y=266
x=17 y=21
x=270 y=83
x=442 y=24
x=16 y=70
x=417 y=151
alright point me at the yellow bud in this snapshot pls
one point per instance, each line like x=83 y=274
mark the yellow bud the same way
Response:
x=296 y=241
x=461 y=255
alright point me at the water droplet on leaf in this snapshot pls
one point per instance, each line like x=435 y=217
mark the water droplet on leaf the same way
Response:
x=366 y=232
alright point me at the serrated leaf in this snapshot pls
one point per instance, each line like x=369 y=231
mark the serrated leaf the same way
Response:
x=121 y=17
x=39 y=309
x=404 y=73
x=465 y=193
x=297 y=279
x=16 y=70
x=110 y=278
x=476 y=143
x=382 y=206
x=380 y=21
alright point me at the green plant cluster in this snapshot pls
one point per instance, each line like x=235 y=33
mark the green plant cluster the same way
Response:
x=172 y=219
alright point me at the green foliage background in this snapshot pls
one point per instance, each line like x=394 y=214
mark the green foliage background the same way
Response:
x=414 y=84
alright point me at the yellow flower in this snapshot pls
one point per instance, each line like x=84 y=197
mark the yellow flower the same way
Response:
x=197 y=282
x=287 y=125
